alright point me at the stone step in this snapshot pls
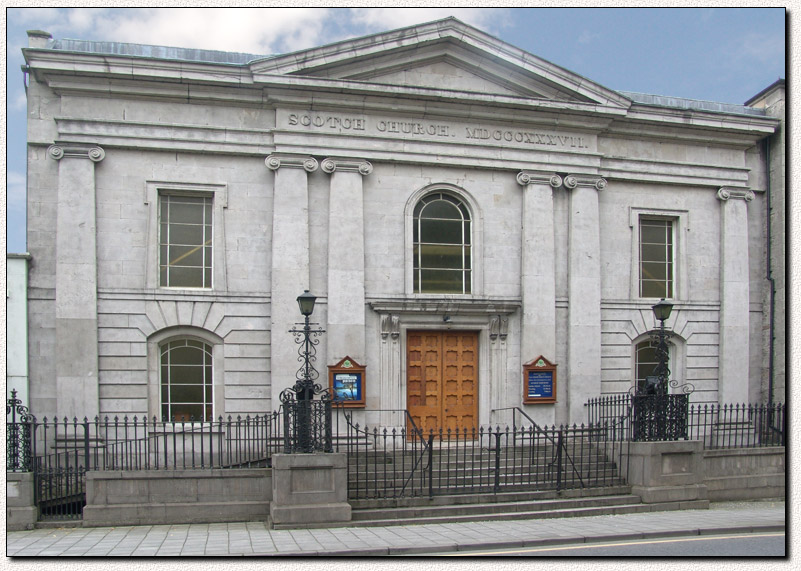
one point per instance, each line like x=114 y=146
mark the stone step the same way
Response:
x=506 y=495
x=493 y=508
x=533 y=513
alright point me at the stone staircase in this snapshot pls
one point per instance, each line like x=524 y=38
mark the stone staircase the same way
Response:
x=464 y=487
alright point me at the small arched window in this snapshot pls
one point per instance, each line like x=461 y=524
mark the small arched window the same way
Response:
x=186 y=380
x=442 y=245
x=645 y=362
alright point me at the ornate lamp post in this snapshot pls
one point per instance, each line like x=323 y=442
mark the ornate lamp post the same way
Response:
x=658 y=415
x=304 y=419
x=662 y=372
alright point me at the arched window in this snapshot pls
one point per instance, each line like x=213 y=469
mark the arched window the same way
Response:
x=186 y=380
x=442 y=245
x=646 y=361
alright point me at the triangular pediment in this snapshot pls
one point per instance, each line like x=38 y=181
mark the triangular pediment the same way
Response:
x=443 y=55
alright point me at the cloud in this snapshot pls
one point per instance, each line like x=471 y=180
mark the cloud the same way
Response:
x=391 y=18
x=250 y=30
x=587 y=37
x=763 y=47
x=20 y=101
x=15 y=190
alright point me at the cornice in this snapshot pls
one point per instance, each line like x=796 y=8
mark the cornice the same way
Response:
x=360 y=166
x=60 y=150
x=453 y=306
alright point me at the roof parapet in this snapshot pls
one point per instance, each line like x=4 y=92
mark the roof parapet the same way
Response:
x=38 y=38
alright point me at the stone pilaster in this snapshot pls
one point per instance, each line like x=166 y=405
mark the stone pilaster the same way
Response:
x=346 y=309
x=584 y=293
x=389 y=375
x=733 y=362
x=498 y=333
x=76 y=280
x=538 y=280
x=290 y=263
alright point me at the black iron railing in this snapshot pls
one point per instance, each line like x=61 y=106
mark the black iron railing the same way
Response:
x=671 y=417
x=406 y=461
x=19 y=430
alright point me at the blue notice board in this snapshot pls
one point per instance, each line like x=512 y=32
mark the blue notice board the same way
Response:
x=539 y=381
x=540 y=384
x=348 y=386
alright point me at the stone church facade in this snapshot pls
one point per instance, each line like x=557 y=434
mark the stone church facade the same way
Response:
x=460 y=208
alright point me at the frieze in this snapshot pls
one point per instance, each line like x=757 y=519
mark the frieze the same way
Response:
x=415 y=128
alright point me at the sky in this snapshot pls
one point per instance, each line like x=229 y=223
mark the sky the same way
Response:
x=716 y=54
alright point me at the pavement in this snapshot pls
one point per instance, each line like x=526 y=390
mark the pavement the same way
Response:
x=255 y=539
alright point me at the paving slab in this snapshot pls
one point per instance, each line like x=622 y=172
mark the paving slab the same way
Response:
x=256 y=539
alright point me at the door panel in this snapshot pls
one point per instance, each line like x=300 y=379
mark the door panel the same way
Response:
x=442 y=382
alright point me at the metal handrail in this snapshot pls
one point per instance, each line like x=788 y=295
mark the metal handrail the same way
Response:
x=558 y=446
x=426 y=444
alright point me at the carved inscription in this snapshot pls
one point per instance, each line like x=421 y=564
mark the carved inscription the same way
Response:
x=330 y=121
x=528 y=137
x=378 y=126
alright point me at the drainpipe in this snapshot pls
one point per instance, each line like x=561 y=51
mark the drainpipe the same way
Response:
x=771 y=281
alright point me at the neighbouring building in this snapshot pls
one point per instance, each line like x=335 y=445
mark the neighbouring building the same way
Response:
x=772 y=153
x=460 y=207
x=17 y=326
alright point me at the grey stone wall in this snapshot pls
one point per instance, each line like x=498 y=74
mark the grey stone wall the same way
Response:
x=745 y=474
x=159 y=497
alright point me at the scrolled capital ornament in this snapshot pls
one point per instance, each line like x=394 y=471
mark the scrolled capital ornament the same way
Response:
x=275 y=162
x=595 y=181
x=525 y=178
x=94 y=153
x=360 y=166
x=727 y=192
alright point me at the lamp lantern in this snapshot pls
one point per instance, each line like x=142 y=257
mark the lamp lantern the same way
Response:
x=661 y=310
x=306 y=303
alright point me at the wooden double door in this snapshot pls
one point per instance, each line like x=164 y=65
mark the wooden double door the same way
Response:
x=442 y=379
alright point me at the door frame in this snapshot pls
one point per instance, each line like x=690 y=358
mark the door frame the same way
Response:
x=494 y=320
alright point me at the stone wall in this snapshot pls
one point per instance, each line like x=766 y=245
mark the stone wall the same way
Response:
x=152 y=497
x=745 y=473
x=21 y=513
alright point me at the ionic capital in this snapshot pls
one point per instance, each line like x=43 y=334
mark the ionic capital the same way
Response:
x=525 y=178
x=275 y=162
x=89 y=151
x=727 y=192
x=360 y=166
x=574 y=180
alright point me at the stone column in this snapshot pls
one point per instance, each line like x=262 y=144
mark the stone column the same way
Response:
x=346 y=311
x=538 y=280
x=734 y=355
x=76 y=280
x=290 y=264
x=584 y=294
